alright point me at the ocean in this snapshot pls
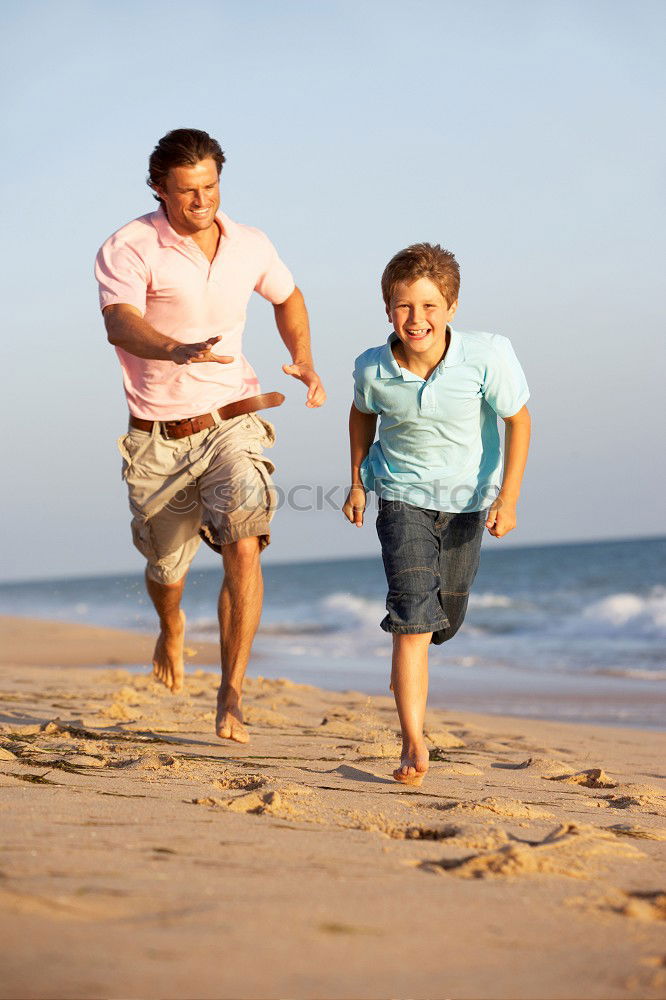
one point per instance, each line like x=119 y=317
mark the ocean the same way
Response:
x=572 y=632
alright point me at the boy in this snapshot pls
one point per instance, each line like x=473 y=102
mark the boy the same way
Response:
x=436 y=466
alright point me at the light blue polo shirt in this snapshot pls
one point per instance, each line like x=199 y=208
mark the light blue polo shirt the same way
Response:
x=438 y=445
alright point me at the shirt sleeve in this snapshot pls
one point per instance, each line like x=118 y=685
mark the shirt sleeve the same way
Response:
x=505 y=386
x=363 y=393
x=122 y=276
x=274 y=281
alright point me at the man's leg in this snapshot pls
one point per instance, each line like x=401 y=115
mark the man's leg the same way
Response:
x=239 y=612
x=409 y=681
x=168 y=656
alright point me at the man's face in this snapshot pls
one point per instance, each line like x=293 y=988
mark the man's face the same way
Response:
x=191 y=196
x=420 y=314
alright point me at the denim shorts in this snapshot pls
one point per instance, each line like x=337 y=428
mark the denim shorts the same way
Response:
x=430 y=558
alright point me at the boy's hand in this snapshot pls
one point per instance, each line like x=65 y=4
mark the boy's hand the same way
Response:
x=354 y=506
x=501 y=517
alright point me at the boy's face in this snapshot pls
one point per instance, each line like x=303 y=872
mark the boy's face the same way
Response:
x=420 y=314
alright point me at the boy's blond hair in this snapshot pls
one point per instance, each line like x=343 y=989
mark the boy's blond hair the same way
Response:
x=423 y=260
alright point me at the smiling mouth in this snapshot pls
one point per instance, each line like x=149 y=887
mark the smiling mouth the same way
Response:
x=418 y=334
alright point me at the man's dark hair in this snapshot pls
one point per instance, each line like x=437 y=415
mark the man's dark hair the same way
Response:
x=182 y=147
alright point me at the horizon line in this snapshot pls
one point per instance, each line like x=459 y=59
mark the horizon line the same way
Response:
x=330 y=559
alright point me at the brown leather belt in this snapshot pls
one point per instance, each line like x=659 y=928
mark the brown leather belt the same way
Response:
x=192 y=425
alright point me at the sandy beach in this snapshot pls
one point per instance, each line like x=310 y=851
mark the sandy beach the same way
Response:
x=142 y=857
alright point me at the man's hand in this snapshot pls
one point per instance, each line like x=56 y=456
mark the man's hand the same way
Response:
x=354 y=506
x=190 y=354
x=308 y=376
x=501 y=517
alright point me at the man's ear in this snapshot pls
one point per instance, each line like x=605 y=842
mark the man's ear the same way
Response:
x=388 y=313
x=453 y=308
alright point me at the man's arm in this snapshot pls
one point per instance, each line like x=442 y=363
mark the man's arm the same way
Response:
x=291 y=318
x=502 y=515
x=362 y=427
x=126 y=328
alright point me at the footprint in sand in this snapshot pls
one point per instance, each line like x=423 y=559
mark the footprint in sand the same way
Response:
x=545 y=767
x=645 y=906
x=148 y=762
x=380 y=823
x=570 y=849
x=636 y=832
x=507 y=808
x=246 y=782
x=279 y=802
x=594 y=777
x=642 y=797
x=85 y=760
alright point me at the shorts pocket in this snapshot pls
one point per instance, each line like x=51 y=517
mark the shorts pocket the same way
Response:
x=130 y=446
x=143 y=539
x=266 y=430
x=266 y=492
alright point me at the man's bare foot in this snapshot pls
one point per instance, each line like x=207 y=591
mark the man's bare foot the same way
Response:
x=168 y=656
x=414 y=763
x=229 y=720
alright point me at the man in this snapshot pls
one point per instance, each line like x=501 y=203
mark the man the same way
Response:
x=174 y=285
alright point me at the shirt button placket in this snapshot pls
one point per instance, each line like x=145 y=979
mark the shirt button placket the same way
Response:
x=427 y=400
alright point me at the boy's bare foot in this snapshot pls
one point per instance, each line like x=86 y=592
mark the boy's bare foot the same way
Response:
x=229 y=720
x=414 y=763
x=168 y=656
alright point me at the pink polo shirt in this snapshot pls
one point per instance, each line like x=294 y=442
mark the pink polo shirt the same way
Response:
x=167 y=277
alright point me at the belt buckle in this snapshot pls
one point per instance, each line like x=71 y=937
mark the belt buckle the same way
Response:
x=167 y=425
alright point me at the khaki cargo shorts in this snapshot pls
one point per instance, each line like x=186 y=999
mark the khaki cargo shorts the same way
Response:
x=214 y=485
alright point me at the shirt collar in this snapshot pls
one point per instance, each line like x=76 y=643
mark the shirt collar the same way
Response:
x=168 y=236
x=388 y=367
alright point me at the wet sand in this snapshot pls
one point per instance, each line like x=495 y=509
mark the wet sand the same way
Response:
x=142 y=857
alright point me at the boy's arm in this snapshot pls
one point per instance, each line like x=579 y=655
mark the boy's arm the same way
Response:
x=362 y=427
x=502 y=514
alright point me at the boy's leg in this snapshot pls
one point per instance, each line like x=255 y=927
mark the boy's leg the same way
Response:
x=460 y=552
x=410 y=552
x=409 y=680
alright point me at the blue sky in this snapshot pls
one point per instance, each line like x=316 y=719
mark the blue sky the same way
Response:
x=522 y=135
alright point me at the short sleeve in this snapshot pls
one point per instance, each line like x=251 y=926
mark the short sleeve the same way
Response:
x=122 y=276
x=363 y=393
x=505 y=386
x=274 y=280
